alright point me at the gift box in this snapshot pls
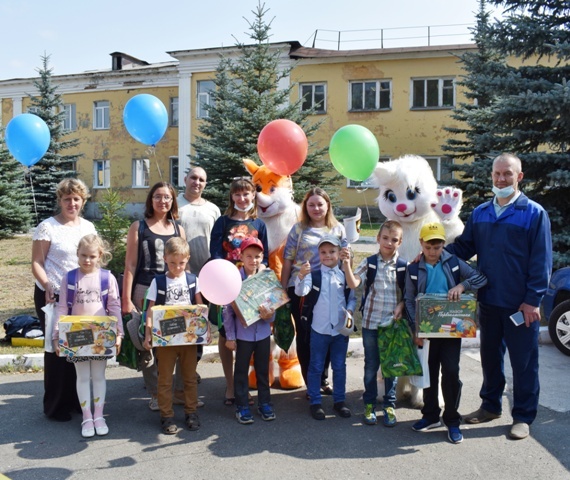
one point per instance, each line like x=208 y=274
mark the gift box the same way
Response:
x=180 y=325
x=87 y=336
x=437 y=317
x=261 y=288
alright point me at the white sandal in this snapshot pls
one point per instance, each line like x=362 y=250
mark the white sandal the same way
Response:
x=102 y=430
x=87 y=429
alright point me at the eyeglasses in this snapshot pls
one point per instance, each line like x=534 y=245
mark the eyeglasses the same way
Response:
x=165 y=198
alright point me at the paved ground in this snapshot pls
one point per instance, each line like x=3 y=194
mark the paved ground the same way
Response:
x=293 y=446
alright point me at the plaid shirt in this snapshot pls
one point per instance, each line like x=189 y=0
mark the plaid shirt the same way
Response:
x=383 y=294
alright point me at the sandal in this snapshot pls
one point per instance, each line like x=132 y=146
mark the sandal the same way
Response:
x=87 y=429
x=326 y=390
x=192 y=421
x=229 y=401
x=168 y=426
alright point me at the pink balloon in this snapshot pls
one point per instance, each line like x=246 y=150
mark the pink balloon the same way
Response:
x=220 y=282
x=282 y=146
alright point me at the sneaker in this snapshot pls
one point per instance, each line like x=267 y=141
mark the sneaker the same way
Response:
x=424 y=425
x=244 y=416
x=153 y=404
x=317 y=411
x=454 y=434
x=389 y=417
x=266 y=412
x=370 y=415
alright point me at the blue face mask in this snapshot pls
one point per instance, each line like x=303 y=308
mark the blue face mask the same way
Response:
x=504 y=192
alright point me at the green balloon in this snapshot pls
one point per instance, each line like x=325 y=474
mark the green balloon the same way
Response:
x=354 y=152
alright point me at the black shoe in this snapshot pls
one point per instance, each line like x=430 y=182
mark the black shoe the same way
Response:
x=326 y=389
x=342 y=409
x=317 y=412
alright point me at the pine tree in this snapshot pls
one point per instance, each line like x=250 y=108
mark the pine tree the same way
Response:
x=15 y=201
x=247 y=97
x=527 y=112
x=54 y=166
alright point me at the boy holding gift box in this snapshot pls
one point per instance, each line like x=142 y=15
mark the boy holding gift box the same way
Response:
x=435 y=274
x=178 y=292
x=252 y=340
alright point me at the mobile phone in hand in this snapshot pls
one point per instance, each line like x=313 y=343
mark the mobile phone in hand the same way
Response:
x=517 y=318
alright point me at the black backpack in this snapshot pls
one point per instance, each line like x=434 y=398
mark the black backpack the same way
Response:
x=161 y=287
x=372 y=263
x=309 y=301
x=453 y=262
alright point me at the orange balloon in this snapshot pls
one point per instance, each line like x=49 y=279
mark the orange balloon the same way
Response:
x=282 y=146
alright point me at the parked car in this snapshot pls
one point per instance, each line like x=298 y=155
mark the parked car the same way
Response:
x=556 y=304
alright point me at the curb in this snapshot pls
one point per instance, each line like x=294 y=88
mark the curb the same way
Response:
x=355 y=348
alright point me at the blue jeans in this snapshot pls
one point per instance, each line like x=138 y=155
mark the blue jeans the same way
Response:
x=338 y=347
x=371 y=366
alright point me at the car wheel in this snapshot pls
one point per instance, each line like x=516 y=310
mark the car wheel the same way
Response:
x=559 y=327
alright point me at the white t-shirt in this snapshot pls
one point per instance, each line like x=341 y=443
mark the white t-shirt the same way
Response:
x=62 y=254
x=197 y=221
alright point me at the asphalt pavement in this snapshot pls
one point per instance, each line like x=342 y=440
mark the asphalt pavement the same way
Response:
x=293 y=446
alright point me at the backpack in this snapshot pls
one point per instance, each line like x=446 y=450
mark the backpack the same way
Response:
x=453 y=262
x=372 y=263
x=308 y=302
x=161 y=288
x=72 y=287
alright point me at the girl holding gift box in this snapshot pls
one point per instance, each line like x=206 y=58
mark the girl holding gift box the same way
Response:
x=90 y=298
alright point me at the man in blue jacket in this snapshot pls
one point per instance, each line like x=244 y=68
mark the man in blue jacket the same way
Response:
x=511 y=237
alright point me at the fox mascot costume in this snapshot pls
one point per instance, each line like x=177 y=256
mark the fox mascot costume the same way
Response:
x=275 y=206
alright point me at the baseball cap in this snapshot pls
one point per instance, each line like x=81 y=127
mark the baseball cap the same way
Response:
x=251 y=242
x=432 y=231
x=330 y=239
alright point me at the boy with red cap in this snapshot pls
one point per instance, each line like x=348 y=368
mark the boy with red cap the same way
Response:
x=252 y=340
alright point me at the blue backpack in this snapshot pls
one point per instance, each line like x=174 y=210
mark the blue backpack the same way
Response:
x=453 y=262
x=372 y=264
x=72 y=287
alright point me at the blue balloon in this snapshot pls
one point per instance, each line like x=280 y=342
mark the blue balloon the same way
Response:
x=27 y=138
x=145 y=118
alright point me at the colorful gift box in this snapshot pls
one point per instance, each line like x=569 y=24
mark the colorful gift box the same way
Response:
x=437 y=317
x=180 y=325
x=87 y=336
x=261 y=288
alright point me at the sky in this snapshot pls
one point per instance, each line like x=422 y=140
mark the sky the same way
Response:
x=79 y=35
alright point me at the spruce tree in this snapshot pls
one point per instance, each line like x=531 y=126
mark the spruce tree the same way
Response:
x=15 y=201
x=54 y=166
x=247 y=97
x=527 y=113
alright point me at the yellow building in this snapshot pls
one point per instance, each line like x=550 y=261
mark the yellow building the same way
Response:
x=403 y=95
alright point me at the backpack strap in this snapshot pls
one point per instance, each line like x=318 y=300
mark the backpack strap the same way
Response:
x=160 y=289
x=309 y=301
x=454 y=265
x=191 y=282
x=71 y=288
x=413 y=269
x=401 y=266
x=105 y=287
x=372 y=269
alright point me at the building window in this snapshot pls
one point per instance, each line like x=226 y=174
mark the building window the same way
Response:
x=101 y=115
x=370 y=95
x=34 y=110
x=69 y=117
x=313 y=97
x=369 y=182
x=101 y=174
x=439 y=165
x=173 y=114
x=141 y=172
x=205 y=88
x=433 y=93
x=174 y=166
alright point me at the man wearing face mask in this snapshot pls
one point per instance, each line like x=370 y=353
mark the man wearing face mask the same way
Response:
x=511 y=237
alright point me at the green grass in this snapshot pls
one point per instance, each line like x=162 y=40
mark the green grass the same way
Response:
x=369 y=229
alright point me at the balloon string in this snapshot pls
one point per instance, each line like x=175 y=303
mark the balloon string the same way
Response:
x=33 y=194
x=366 y=204
x=151 y=152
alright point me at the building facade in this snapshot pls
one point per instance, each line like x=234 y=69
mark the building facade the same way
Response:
x=403 y=95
